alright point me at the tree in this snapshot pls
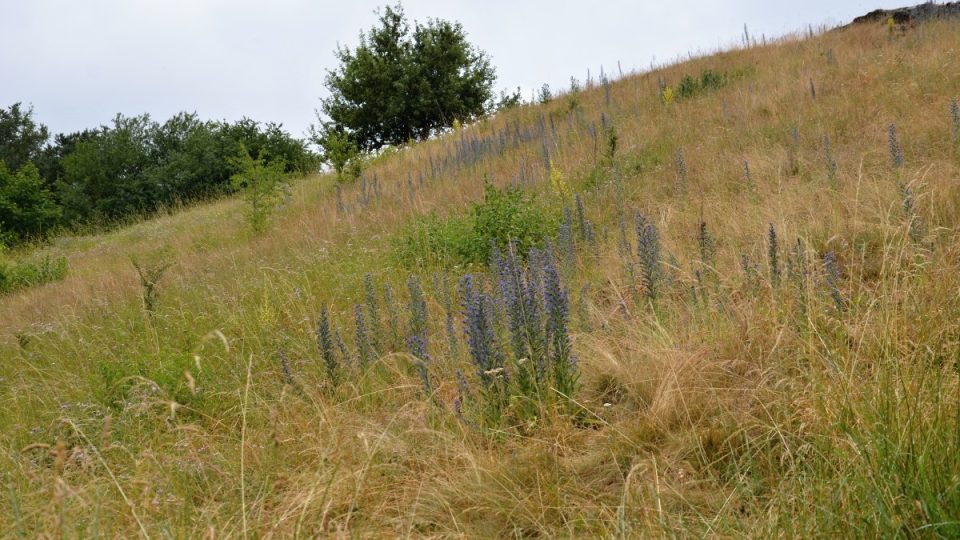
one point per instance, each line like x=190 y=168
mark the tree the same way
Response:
x=398 y=85
x=263 y=185
x=130 y=168
x=27 y=209
x=50 y=160
x=136 y=166
x=339 y=150
x=270 y=140
x=21 y=139
x=104 y=177
x=191 y=159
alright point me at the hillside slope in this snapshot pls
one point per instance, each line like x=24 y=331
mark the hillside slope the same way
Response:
x=762 y=293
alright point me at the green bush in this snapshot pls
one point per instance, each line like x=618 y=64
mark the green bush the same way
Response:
x=504 y=214
x=509 y=214
x=709 y=80
x=338 y=150
x=27 y=209
x=21 y=275
x=688 y=87
x=263 y=184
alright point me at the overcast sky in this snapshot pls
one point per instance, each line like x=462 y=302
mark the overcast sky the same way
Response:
x=79 y=62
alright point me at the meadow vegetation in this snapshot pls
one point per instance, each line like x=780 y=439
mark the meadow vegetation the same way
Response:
x=728 y=310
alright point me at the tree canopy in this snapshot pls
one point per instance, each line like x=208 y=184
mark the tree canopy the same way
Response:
x=27 y=209
x=21 y=139
x=124 y=170
x=400 y=84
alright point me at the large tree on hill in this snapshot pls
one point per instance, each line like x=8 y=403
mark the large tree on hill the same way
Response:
x=398 y=84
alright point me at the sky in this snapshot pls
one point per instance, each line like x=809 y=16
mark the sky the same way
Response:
x=79 y=63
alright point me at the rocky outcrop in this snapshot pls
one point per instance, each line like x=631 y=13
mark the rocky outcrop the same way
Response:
x=909 y=15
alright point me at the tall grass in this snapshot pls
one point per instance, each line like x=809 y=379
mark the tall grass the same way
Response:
x=301 y=382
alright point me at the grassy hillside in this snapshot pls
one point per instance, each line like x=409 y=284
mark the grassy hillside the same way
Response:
x=785 y=364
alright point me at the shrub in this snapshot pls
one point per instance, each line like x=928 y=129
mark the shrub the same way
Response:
x=338 y=150
x=544 y=96
x=504 y=214
x=709 y=80
x=21 y=275
x=507 y=215
x=688 y=87
x=263 y=184
x=104 y=176
x=27 y=209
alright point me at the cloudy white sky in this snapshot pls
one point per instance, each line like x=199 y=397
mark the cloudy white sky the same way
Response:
x=81 y=62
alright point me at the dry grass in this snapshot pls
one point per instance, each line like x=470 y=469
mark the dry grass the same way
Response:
x=759 y=411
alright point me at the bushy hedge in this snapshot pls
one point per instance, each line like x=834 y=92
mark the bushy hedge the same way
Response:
x=131 y=168
x=136 y=165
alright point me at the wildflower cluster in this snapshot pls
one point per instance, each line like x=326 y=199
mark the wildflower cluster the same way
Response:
x=537 y=315
x=648 y=251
